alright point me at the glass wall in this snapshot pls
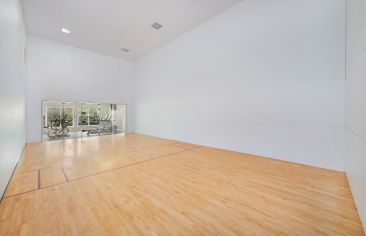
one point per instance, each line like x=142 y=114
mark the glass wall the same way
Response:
x=64 y=120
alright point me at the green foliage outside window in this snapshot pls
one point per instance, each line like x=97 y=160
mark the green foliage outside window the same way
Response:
x=57 y=117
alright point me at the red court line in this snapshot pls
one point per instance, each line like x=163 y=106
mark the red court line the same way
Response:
x=152 y=159
x=29 y=191
x=39 y=179
x=33 y=190
x=63 y=171
x=117 y=153
x=99 y=173
x=27 y=171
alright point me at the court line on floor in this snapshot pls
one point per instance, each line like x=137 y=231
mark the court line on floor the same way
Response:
x=39 y=179
x=118 y=153
x=99 y=173
x=152 y=159
x=63 y=172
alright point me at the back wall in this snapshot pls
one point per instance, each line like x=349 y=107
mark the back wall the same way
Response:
x=58 y=72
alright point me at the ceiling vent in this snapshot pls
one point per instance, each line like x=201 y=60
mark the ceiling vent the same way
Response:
x=156 y=26
x=125 y=50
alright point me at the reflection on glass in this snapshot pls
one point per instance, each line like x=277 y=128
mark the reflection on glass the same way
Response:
x=74 y=119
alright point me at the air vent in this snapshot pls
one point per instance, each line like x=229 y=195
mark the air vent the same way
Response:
x=125 y=50
x=156 y=25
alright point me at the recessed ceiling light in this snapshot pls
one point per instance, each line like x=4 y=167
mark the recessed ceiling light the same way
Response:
x=125 y=50
x=65 y=31
x=156 y=25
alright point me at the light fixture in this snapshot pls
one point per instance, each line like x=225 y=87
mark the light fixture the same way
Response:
x=65 y=31
x=156 y=25
x=125 y=50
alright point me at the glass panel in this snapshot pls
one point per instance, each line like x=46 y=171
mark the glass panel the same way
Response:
x=51 y=120
x=106 y=124
x=83 y=116
x=119 y=118
x=53 y=116
x=68 y=114
x=94 y=115
x=74 y=119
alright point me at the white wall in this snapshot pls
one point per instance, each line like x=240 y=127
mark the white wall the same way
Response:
x=265 y=77
x=356 y=103
x=12 y=88
x=59 y=72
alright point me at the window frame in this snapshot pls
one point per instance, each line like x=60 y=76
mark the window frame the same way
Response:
x=60 y=113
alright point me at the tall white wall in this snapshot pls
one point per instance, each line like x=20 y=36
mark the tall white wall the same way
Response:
x=58 y=72
x=356 y=103
x=265 y=77
x=12 y=88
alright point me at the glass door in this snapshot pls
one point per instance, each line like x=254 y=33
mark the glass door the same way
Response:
x=57 y=117
x=89 y=119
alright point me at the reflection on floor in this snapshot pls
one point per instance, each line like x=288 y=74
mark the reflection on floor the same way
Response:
x=77 y=134
x=137 y=185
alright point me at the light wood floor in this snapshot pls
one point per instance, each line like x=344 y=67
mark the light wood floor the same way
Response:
x=141 y=185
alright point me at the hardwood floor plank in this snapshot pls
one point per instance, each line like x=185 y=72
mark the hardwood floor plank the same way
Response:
x=51 y=176
x=22 y=182
x=163 y=150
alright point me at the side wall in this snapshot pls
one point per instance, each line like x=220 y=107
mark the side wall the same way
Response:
x=12 y=88
x=265 y=77
x=356 y=103
x=58 y=72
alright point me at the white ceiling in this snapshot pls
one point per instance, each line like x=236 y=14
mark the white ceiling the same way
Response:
x=106 y=26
